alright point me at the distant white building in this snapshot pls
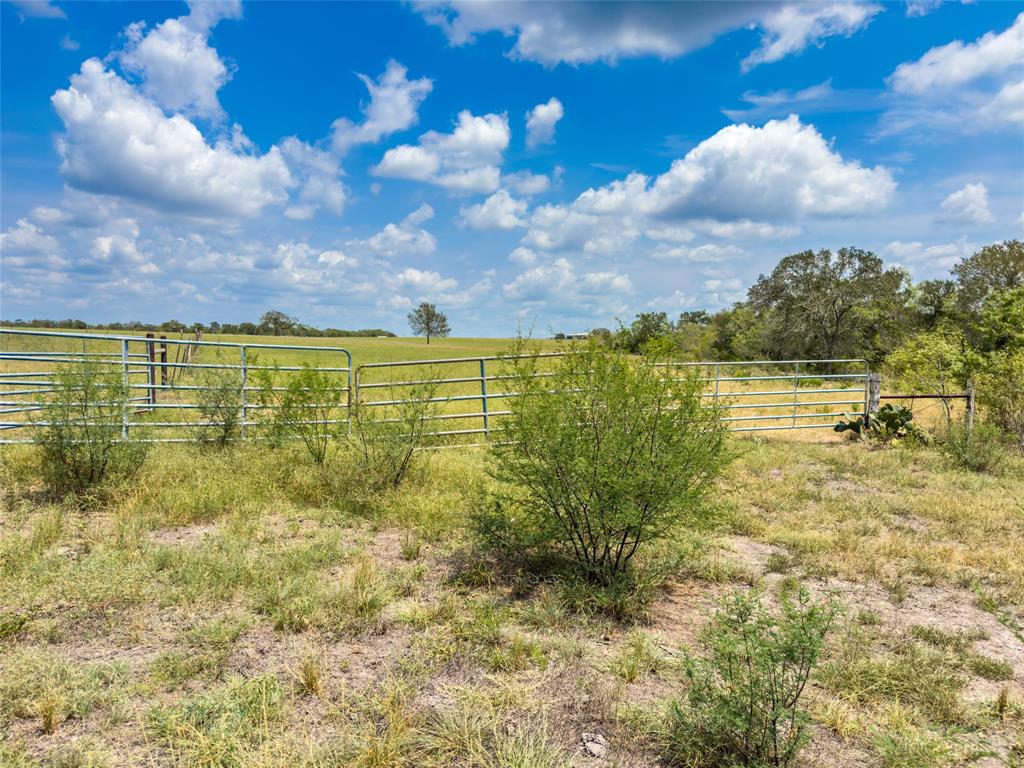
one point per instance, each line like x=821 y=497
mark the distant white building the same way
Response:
x=577 y=336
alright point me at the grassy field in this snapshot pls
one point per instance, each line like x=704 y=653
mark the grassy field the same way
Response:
x=245 y=608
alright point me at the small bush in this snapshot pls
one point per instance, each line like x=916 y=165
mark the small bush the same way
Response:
x=980 y=450
x=1001 y=390
x=598 y=459
x=81 y=441
x=743 y=705
x=307 y=407
x=385 y=438
x=888 y=425
x=218 y=401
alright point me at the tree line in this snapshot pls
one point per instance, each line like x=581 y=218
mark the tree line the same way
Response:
x=847 y=304
x=271 y=323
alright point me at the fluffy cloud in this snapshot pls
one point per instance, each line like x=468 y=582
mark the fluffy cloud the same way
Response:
x=957 y=64
x=465 y=160
x=38 y=9
x=28 y=246
x=427 y=285
x=541 y=122
x=178 y=68
x=394 y=106
x=579 y=33
x=741 y=182
x=962 y=87
x=526 y=183
x=559 y=286
x=316 y=172
x=708 y=252
x=405 y=238
x=119 y=142
x=792 y=28
x=938 y=256
x=968 y=205
x=499 y=211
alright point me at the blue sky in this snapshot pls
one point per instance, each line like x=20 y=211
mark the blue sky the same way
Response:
x=542 y=165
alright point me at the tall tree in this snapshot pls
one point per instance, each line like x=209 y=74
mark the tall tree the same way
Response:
x=825 y=305
x=997 y=267
x=427 y=321
x=277 y=322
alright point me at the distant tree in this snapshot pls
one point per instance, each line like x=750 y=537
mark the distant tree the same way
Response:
x=173 y=326
x=427 y=321
x=825 y=305
x=559 y=336
x=994 y=268
x=277 y=323
x=645 y=328
x=699 y=317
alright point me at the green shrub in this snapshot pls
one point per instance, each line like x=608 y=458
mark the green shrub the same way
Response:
x=385 y=438
x=218 y=401
x=980 y=450
x=1001 y=390
x=307 y=407
x=599 y=458
x=80 y=438
x=743 y=704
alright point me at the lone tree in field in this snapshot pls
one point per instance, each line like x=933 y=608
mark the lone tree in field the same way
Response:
x=427 y=321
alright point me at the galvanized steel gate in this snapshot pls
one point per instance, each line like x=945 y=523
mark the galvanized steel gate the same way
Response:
x=467 y=397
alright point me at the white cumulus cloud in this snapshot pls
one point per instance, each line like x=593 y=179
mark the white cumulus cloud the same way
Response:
x=465 y=160
x=119 y=142
x=394 y=106
x=968 y=205
x=541 y=122
x=178 y=67
x=499 y=211
x=795 y=26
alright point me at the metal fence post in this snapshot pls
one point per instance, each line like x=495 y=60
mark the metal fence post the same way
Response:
x=718 y=367
x=874 y=395
x=127 y=389
x=796 y=389
x=151 y=368
x=245 y=395
x=483 y=397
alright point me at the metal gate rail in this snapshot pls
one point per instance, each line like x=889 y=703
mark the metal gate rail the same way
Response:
x=466 y=396
x=20 y=390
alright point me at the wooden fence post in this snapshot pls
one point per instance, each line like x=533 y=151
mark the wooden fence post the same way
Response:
x=969 y=415
x=874 y=394
x=163 y=361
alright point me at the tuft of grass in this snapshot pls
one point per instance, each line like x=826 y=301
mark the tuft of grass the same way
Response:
x=637 y=658
x=220 y=727
x=309 y=674
x=911 y=675
x=988 y=668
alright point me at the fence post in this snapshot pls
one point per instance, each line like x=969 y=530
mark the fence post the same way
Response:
x=718 y=367
x=151 y=368
x=127 y=389
x=245 y=400
x=163 y=361
x=969 y=415
x=483 y=398
x=796 y=390
x=874 y=394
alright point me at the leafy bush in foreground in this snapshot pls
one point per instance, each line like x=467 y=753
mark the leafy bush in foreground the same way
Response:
x=980 y=450
x=307 y=406
x=743 y=705
x=81 y=444
x=600 y=458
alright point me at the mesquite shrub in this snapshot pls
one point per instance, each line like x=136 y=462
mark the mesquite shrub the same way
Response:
x=743 y=704
x=600 y=456
x=80 y=440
